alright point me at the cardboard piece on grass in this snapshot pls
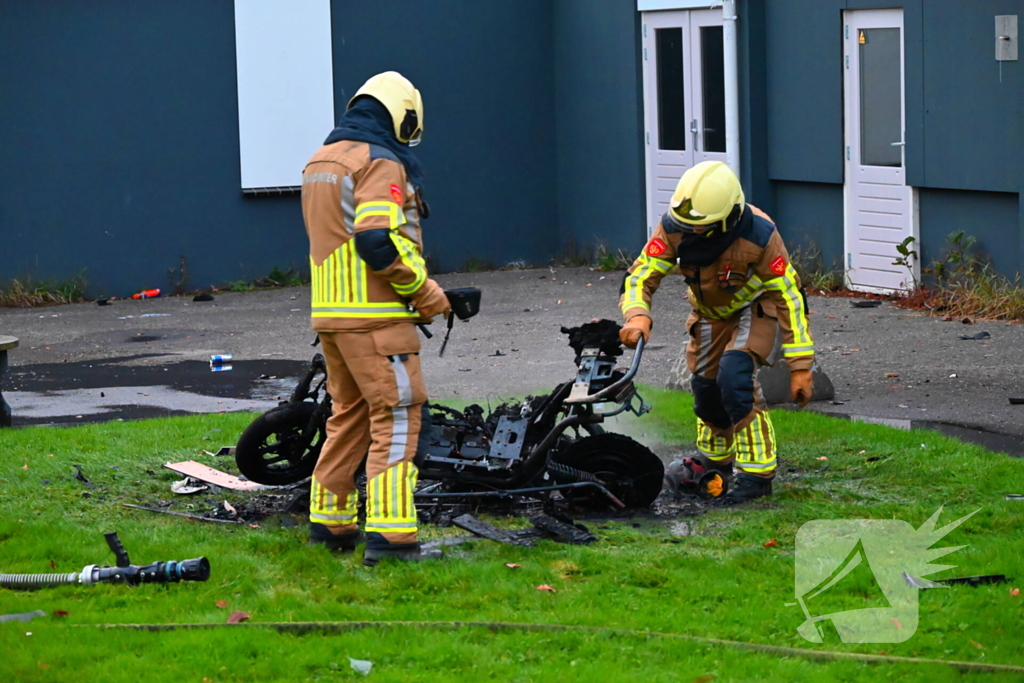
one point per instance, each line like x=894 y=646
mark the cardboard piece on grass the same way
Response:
x=197 y=470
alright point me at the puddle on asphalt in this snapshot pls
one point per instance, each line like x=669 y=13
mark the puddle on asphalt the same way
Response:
x=61 y=393
x=110 y=389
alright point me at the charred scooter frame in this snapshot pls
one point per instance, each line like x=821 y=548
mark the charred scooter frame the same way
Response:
x=548 y=443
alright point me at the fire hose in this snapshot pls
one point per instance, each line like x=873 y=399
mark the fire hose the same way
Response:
x=172 y=571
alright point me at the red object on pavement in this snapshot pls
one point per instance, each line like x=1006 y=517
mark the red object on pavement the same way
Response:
x=147 y=294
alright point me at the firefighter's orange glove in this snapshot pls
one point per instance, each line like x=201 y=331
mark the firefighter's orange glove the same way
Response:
x=636 y=327
x=800 y=386
x=429 y=300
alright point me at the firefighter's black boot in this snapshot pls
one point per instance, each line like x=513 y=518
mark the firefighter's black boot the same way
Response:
x=403 y=553
x=343 y=543
x=698 y=475
x=746 y=487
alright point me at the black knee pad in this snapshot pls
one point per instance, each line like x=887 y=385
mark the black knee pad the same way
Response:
x=707 y=402
x=736 y=381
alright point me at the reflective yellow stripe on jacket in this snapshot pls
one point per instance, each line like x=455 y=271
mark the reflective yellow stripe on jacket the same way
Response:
x=408 y=251
x=743 y=297
x=388 y=209
x=785 y=284
x=410 y=255
x=635 y=281
x=339 y=289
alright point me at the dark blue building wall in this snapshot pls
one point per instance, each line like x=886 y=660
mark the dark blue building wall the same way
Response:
x=804 y=90
x=485 y=72
x=990 y=217
x=810 y=217
x=120 y=148
x=973 y=135
x=753 y=105
x=599 y=123
x=963 y=125
x=121 y=151
x=120 y=129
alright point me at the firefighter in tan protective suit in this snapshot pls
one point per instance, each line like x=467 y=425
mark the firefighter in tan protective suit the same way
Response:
x=743 y=289
x=362 y=206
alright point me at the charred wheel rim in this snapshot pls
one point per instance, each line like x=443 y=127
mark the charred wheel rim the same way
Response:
x=282 y=446
x=628 y=469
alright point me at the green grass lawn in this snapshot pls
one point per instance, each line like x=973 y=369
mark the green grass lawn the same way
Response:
x=721 y=583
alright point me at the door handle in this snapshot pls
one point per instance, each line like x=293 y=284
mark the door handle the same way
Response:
x=694 y=129
x=898 y=144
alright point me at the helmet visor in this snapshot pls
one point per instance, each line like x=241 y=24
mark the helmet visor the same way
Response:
x=694 y=228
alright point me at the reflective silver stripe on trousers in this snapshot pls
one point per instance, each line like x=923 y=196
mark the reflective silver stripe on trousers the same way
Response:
x=348 y=211
x=748 y=465
x=705 y=348
x=400 y=430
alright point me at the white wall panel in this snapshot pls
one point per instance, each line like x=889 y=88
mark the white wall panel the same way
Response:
x=657 y=5
x=285 y=87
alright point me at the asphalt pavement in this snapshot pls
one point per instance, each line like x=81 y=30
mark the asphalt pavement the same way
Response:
x=884 y=362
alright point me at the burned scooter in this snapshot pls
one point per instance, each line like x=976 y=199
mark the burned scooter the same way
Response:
x=534 y=448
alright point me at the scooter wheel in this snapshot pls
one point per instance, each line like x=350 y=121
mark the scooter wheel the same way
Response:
x=628 y=469
x=281 y=446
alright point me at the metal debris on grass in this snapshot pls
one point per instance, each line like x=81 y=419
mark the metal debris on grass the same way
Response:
x=974 y=580
x=186 y=515
x=188 y=486
x=82 y=478
x=919 y=583
x=564 y=531
x=481 y=528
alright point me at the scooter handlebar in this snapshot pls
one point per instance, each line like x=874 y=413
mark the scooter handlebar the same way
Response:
x=613 y=389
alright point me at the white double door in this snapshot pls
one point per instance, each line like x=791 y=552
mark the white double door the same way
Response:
x=684 y=99
x=880 y=208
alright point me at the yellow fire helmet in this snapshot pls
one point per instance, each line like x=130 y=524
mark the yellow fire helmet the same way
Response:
x=707 y=197
x=403 y=102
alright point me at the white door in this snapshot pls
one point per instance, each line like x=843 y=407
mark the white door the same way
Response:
x=880 y=207
x=684 y=99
